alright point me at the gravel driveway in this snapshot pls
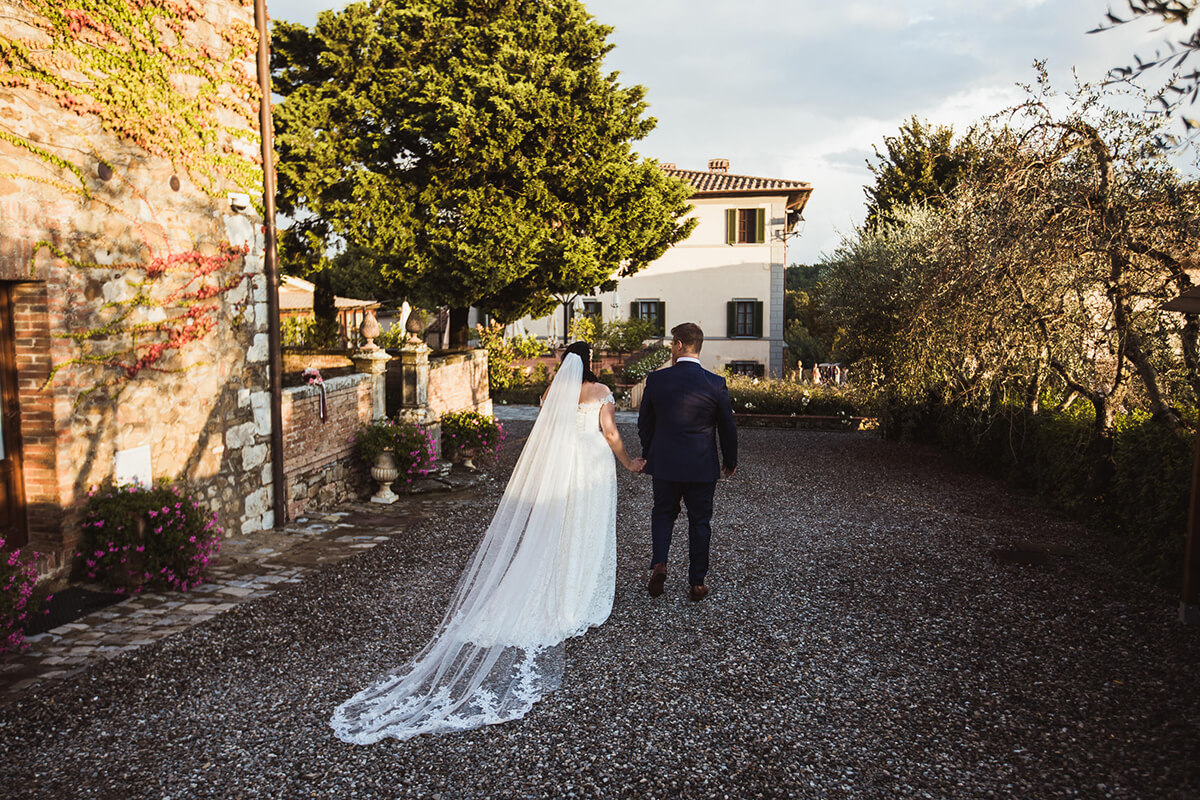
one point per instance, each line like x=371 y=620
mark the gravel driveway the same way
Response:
x=859 y=642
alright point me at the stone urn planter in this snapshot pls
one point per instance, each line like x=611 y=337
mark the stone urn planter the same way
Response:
x=385 y=473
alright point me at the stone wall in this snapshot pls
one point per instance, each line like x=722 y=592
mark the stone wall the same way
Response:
x=140 y=311
x=319 y=461
x=458 y=382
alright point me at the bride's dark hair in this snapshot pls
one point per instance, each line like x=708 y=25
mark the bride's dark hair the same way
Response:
x=584 y=351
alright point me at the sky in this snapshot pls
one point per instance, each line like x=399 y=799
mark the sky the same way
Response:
x=803 y=89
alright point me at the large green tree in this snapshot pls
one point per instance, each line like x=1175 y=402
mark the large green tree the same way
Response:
x=474 y=153
x=805 y=325
x=921 y=164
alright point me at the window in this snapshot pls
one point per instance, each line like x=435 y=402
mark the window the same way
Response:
x=745 y=319
x=653 y=310
x=745 y=225
x=591 y=309
x=751 y=369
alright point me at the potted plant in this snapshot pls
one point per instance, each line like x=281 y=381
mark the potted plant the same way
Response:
x=395 y=449
x=469 y=435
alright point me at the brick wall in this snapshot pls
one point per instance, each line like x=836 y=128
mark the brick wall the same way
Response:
x=39 y=444
x=458 y=382
x=319 y=461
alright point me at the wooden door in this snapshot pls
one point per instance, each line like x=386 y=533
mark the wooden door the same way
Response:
x=12 y=485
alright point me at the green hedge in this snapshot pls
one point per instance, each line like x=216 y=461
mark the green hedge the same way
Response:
x=638 y=370
x=1151 y=489
x=769 y=396
x=1139 y=495
x=529 y=395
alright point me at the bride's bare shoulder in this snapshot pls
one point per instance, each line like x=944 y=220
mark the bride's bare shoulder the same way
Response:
x=592 y=393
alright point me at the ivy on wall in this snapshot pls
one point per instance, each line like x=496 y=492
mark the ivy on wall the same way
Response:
x=172 y=83
x=129 y=64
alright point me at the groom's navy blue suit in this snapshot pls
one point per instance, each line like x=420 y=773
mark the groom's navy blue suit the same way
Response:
x=684 y=410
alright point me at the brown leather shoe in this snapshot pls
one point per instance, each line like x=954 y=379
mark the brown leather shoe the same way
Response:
x=658 y=576
x=698 y=593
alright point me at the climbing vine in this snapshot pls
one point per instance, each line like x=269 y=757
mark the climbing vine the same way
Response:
x=184 y=316
x=171 y=80
x=128 y=64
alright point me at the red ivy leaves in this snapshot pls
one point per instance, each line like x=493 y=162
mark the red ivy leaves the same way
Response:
x=201 y=264
x=194 y=327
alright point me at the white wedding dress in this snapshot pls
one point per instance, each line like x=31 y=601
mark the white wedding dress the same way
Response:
x=545 y=571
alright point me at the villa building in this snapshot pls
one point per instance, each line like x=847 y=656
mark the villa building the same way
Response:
x=728 y=276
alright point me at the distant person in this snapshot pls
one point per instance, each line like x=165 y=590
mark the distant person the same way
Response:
x=685 y=409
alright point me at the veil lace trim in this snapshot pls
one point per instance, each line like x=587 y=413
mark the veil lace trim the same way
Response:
x=498 y=649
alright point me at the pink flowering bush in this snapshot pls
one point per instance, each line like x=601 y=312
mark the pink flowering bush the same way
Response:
x=464 y=431
x=136 y=538
x=413 y=446
x=17 y=602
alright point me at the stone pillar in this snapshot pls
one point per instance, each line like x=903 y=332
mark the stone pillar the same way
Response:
x=414 y=392
x=374 y=363
x=414 y=371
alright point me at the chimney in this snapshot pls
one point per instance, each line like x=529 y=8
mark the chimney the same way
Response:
x=718 y=165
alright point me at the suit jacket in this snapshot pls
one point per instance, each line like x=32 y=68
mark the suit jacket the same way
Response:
x=685 y=408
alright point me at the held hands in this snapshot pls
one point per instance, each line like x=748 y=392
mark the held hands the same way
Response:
x=728 y=471
x=636 y=465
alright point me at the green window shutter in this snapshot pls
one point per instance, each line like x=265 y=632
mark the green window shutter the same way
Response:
x=662 y=319
x=731 y=319
x=635 y=310
x=731 y=221
x=760 y=225
x=758 y=319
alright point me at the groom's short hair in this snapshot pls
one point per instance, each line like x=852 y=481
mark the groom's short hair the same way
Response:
x=689 y=335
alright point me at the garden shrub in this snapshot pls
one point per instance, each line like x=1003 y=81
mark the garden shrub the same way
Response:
x=771 y=396
x=528 y=395
x=464 y=431
x=1143 y=507
x=393 y=338
x=136 y=537
x=413 y=446
x=625 y=335
x=17 y=601
x=636 y=371
x=503 y=354
x=1150 y=493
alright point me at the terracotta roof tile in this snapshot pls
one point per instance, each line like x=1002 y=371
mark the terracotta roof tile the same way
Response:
x=723 y=182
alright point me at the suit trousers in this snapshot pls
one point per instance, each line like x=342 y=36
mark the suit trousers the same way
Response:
x=698 y=497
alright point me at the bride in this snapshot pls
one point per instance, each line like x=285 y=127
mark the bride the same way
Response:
x=545 y=571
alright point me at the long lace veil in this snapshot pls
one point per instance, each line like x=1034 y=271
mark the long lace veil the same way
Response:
x=498 y=648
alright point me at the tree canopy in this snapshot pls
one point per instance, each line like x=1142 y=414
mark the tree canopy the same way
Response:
x=1044 y=271
x=472 y=154
x=922 y=164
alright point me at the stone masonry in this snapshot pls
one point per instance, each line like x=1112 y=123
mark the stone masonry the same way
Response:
x=84 y=212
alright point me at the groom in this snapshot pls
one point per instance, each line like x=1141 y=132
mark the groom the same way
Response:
x=684 y=409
